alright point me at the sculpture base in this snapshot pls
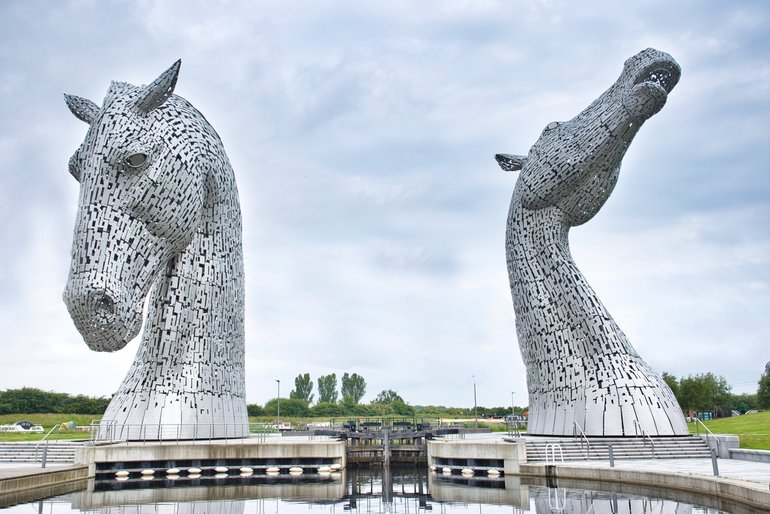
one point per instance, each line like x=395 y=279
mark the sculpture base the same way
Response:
x=606 y=418
x=192 y=416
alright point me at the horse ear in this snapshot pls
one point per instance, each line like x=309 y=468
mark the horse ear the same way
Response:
x=153 y=96
x=82 y=108
x=510 y=162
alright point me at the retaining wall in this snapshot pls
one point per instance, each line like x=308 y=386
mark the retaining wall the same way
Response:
x=752 y=455
x=30 y=485
x=510 y=453
x=279 y=449
x=746 y=493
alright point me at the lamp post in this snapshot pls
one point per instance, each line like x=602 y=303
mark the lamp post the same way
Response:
x=475 y=414
x=278 y=423
x=513 y=412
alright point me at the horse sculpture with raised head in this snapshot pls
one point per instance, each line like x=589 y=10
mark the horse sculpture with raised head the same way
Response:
x=582 y=372
x=159 y=215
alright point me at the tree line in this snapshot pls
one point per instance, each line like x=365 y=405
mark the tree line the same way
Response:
x=331 y=402
x=29 y=400
x=347 y=402
x=296 y=408
x=695 y=393
x=709 y=392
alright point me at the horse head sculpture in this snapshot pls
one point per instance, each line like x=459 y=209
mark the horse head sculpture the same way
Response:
x=574 y=165
x=159 y=208
x=582 y=372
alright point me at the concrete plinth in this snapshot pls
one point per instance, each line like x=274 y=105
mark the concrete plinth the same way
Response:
x=481 y=453
x=234 y=453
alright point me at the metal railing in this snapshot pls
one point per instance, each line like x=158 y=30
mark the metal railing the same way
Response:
x=639 y=428
x=513 y=428
x=393 y=423
x=45 y=440
x=109 y=431
x=557 y=499
x=578 y=433
x=709 y=432
x=553 y=447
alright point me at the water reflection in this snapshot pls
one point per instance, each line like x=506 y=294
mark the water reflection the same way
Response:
x=402 y=491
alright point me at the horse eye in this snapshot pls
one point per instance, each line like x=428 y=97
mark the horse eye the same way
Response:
x=136 y=160
x=552 y=125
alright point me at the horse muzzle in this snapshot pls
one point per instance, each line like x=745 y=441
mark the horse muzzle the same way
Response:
x=104 y=317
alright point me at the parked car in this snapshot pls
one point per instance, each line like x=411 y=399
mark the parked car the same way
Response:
x=21 y=426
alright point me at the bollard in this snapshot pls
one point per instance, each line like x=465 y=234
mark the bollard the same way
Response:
x=714 y=462
x=612 y=456
x=45 y=455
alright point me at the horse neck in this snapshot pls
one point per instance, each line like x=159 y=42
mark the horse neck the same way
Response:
x=216 y=253
x=540 y=266
x=212 y=263
x=196 y=312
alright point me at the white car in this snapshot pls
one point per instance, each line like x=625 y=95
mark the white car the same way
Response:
x=21 y=426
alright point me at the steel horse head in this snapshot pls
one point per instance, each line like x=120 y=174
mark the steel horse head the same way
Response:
x=159 y=216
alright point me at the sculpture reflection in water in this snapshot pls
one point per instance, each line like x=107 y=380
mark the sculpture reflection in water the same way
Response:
x=582 y=372
x=159 y=216
x=400 y=490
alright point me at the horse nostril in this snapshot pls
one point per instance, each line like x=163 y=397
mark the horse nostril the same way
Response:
x=103 y=307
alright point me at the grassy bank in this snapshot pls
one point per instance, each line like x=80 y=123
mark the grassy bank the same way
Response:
x=753 y=429
x=47 y=421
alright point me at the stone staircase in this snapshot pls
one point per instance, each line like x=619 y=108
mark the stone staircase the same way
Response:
x=58 y=451
x=623 y=448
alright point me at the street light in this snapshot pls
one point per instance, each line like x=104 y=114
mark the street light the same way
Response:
x=513 y=412
x=475 y=415
x=278 y=423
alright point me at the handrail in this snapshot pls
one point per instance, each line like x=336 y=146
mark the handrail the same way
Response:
x=110 y=431
x=45 y=448
x=102 y=429
x=513 y=428
x=553 y=447
x=575 y=429
x=556 y=502
x=698 y=421
x=637 y=428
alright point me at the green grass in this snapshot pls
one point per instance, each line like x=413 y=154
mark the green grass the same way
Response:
x=48 y=421
x=753 y=429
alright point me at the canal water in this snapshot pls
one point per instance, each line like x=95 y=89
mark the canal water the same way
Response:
x=369 y=491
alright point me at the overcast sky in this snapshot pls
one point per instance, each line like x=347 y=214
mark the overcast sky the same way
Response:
x=362 y=136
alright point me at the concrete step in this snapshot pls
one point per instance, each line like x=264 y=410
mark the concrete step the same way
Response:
x=57 y=451
x=623 y=448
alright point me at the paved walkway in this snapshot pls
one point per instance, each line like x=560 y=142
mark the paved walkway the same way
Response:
x=15 y=469
x=728 y=468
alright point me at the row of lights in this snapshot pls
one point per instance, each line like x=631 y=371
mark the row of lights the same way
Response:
x=223 y=471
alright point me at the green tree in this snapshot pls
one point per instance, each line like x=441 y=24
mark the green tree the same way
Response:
x=763 y=393
x=303 y=388
x=749 y=401
x=388 y=396
x=327 y=388
x=673 y=383
x=353 y=388
x=290 y=408
x=705 y=391
x=326 y=410
x=358 y=409
x=402 y=409
x=255 y=410
x=29 y=400
x=82 y=404
x=390 y=402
